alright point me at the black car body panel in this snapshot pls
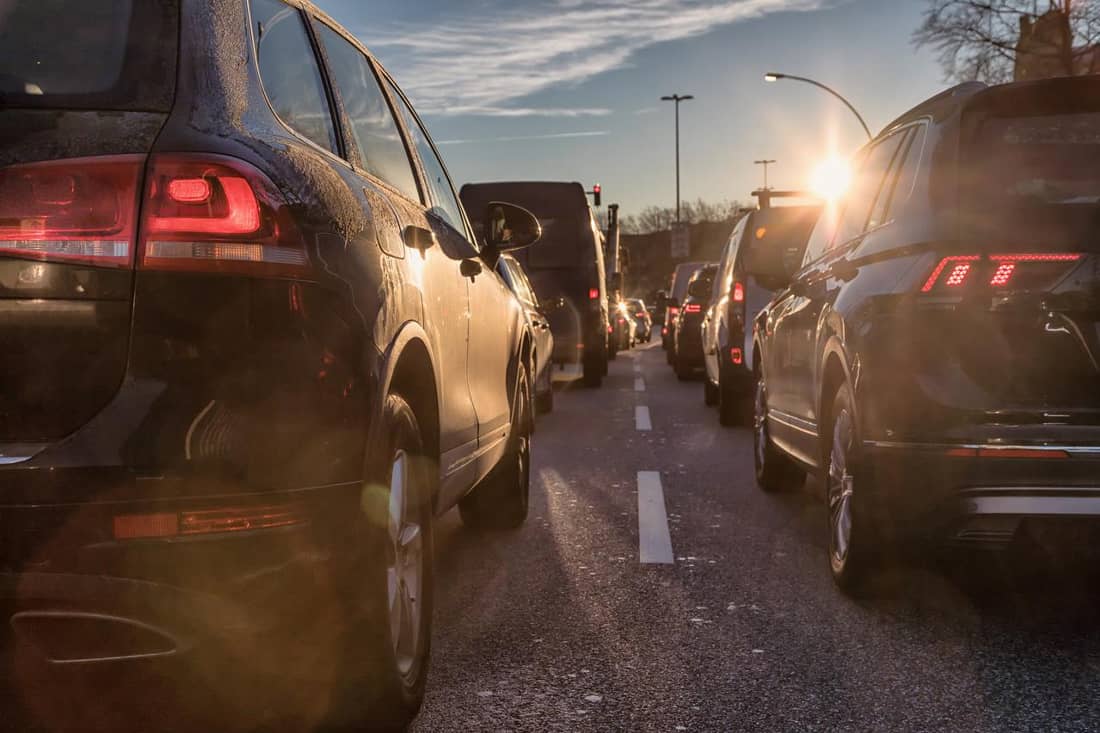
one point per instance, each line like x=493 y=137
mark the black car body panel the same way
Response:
x=687 y=329
x=962 y=307
x=199 y=389
x=542 y=339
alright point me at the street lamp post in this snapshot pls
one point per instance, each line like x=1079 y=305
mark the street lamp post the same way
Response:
x=764 y=163
x=772 y=76
x=677 y=98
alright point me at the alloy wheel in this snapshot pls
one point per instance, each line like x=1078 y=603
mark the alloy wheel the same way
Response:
x=840 y=485
x=405 y=566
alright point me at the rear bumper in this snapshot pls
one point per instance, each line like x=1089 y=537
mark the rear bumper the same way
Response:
x=978 y=493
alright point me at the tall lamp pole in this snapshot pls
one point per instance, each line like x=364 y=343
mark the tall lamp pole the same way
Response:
x=773 y=76
x=677 y=98
x=765 y=163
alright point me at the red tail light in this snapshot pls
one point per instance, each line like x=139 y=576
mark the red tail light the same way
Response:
x=215 y=214
x=209 y=521
x=737 y=293
x=693 y=308
x=737 y=356
x=951 y=273
x=77 y=210
x=673 y=310
x=593 y=293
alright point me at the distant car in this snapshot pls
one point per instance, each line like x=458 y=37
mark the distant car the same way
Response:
x=736 y=299
x=687 y=337
x=252 y=349
x=568 y=268
x=642 y=319
x=934 y=356
x=542 y=365
x=623 y=335
x=676 y=293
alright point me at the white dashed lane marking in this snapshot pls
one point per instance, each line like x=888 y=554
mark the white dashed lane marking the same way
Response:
x=641 y=418
x=639 y=384
x=654 y=541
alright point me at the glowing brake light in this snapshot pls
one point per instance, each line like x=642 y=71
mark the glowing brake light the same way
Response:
x=1001 y=269
x=210 y=213
x=1006 y=264
x=738 y=293
x=693 y=308
x=593 y=293
x=737 y=356
x=960 y=267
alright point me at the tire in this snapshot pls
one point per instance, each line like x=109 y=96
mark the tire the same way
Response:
x=734 y=408
x=775 y=471
x=381 y=683
x=501 y=500
x=613 y=348
x=593 y=373
x=710 y=392
x=683 y=370
x=854 y=548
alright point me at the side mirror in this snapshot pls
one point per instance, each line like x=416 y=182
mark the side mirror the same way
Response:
x=509 y=227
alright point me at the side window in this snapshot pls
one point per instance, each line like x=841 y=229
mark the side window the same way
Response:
x=524 y=285
x=444 y=201
x=723 y=282
x=821 y=239
x=907 y=171
x=862 y=195
x=880 y=213
x=381 y=150
x=289 y=71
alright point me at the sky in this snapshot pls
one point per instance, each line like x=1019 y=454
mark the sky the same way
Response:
x=570 y=89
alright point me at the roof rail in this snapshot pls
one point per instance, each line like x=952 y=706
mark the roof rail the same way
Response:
x=765 y=195
x=940 y=105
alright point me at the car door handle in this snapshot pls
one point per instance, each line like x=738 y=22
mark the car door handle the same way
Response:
x=420 y=238
x=470 y=268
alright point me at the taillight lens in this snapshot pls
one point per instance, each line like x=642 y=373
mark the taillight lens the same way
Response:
x=737 y=293
x=693 y=308
x=1019 y=271
x=593 y=293
x=737 y=356
x=76 y=210
x=206 y=213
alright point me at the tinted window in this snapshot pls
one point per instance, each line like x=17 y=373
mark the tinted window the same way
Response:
x=822 y=237
x=862 y=196
x=381 y=149
x=880 y=213
x=907 y=176
x=444 y=201
x=108 y=54
x=519 y=279
x=724 y=281
x=289 y=71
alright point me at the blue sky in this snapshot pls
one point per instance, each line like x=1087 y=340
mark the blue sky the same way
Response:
x=569 y=89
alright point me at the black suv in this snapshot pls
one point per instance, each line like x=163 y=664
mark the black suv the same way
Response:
x=936 y=356
x=687 y=327
x=241 y=304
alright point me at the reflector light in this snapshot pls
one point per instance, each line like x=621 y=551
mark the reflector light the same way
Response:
x=738 y=293
x=673 y=310
x=1021 y=453
x=737 y=356
x=189 y=190
x=593 y=293
x=958 y=273
x=209 y=521
x=693 y=308
x=664 y=330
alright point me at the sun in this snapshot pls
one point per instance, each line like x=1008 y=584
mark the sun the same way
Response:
x=831 y=178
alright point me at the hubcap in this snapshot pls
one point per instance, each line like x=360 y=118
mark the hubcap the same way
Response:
x=760 y=423
x=404 y=571
x=841 y=483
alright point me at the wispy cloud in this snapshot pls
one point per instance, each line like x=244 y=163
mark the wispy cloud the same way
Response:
x=513 y=138
x=485 y=65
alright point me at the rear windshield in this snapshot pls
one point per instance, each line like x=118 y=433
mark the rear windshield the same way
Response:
x=1037 y=178
x=681 y=278
x=47 y=48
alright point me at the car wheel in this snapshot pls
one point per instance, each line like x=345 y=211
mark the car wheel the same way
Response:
x=683 y=370
x=710 y=392
x=544 y=401
x=853 y=549
x=501 y=500
x=388 y=648
x=774 y=470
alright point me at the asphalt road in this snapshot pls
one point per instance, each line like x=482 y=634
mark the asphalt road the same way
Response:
x=559 y=626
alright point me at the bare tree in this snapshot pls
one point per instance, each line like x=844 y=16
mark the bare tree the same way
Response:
x=1000 y=40
x=661 y=218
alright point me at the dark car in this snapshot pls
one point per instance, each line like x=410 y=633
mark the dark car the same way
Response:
x=676 y=293
x=736 y=298
x=623 y=330
x=567 y=267
x=936 y=356
x=642 y=319
x=541 y=366
x=251 y=349
x=687 y=334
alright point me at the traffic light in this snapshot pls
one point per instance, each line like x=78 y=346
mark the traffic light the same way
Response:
x=596 y=195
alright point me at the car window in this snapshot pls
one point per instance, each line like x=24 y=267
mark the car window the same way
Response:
x=288 y=68
x=381 y=148
x=723 y=282
x=527 y=293
x=444 y=203
x=880 y=212
x=907 y=170
x=862 y=195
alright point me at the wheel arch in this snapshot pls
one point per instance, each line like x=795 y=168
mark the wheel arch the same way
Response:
x=408 y=366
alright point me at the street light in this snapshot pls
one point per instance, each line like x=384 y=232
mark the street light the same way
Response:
x=773 y=76
x=764 y=163
x=677 y=98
